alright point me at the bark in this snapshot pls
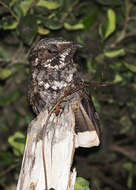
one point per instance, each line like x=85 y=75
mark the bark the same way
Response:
x=48 y=157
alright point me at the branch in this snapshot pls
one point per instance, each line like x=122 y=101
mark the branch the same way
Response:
x=10 y=10
x=124 y=34
x=124 y=151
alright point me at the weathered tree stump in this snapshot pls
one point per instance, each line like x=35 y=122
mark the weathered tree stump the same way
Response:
x=48 y=158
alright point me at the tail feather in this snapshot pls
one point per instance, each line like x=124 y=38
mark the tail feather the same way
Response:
x=87 y=124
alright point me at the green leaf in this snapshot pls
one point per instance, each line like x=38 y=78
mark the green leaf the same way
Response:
x=118 y=78
x=81 y=184
x=6 y=158
x=10 y=26
x=49 y=4
x=8 y=23
x=28 y=119
x=15 y=96
x=128 y=166
x=96 y=104
x=111 y=23
x=17 y=9
x=12 y=2
x=52 y=24
x=130 y=67
x=1 y=90
x=118 y=66
x=43 y=31
x=78 y=26
x=3 y=52
x=28 y=29
x=90 y=66
x=17 y=143
x=91 y=13
x=25 y=5
x=115 y=53
x=100 y=31
x=100 y=58
x=130 y=180
x=5 y=73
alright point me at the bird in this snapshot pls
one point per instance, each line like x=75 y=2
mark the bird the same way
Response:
x=53 y=72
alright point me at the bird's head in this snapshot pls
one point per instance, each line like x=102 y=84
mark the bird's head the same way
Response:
x=53 y=53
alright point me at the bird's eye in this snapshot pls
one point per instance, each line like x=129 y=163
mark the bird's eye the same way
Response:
x=49 y=51
x=53 y=49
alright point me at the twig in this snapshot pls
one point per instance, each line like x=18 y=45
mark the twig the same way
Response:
x=124 y=151
x=8 y=169
x=15 y=61
x=10 y=10
x=95 y=84
x=124 y=33
x=128 y=9
x=123 y=36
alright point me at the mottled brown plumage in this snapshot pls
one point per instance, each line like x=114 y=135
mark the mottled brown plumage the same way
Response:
x=52 y=72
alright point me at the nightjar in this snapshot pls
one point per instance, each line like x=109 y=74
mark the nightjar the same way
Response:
x=52 y=72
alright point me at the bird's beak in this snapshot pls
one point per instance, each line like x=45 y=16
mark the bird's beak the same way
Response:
x=76 y=45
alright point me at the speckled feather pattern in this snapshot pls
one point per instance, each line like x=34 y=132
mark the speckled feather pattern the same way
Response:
x=52 y=71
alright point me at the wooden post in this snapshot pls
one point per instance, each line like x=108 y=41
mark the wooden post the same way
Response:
x=53 y=170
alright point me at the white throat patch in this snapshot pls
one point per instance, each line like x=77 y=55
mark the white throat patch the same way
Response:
x=62 y=58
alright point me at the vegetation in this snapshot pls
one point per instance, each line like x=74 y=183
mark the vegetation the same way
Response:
x=107 y=31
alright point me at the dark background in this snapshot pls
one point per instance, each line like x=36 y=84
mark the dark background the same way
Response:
x=107 y=31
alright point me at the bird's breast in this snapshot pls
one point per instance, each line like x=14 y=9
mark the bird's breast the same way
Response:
x=52 y=84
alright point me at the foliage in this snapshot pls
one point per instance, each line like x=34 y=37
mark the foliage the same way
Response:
x=81 y=184
x=107 y=31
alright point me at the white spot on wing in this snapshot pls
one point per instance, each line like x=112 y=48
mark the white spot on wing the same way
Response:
x=34 y=74
x=40 y=83
x=61 y=65
x=36 y=61
x=69 y=78
x=46 y=85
